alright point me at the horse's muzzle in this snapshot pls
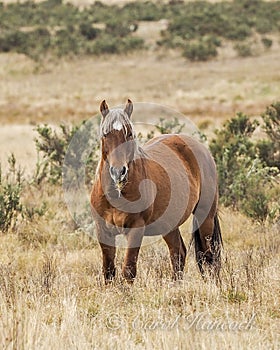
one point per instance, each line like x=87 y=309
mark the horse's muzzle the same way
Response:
x=118 y=175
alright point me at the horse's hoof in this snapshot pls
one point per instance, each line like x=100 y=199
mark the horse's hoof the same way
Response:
x=129 y=281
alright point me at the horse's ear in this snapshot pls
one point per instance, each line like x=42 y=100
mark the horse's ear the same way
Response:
x=129 y=108
x=104 y=109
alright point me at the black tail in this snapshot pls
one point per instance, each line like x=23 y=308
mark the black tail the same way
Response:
x=217 y=244
x=213 y=260
x=197 y=245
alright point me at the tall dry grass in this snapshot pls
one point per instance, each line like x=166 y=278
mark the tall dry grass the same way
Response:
x=52 y=293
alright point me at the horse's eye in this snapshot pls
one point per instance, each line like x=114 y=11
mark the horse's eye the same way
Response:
x=129 y=134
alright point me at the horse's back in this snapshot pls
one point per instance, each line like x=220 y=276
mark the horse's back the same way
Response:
x=187 y=148
x=194 y=158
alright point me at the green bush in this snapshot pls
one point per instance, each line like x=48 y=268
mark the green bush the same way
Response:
x=53 y=145
x=170 y=126
x=237 y=31
x=246 y=181
x=10 y=191
x=52 y=27
x=14 y=41
x=197 y=19
x=32 y=43
x=107 y=44
x=40 y=37
x=231 y=146
x=243 y=49
x=38 y=43
x=66 y=42
x=236 y=21
x=144 y=11
x=12 y=186
x=269 y=148
x=117 y=28
x=74 y=31
x=88 y=31
x=267 y=43
x=252 y=189
x=264 y=25
x=200 y=50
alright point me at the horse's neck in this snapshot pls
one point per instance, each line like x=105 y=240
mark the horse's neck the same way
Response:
x=103 y=169
x=138 y=167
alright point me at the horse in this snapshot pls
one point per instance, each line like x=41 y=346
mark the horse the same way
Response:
x=152 y=190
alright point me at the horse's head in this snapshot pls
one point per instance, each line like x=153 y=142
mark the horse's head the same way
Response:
x=117 y=141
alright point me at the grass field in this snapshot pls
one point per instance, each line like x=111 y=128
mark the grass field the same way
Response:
x=52 y=293
x=53 y=296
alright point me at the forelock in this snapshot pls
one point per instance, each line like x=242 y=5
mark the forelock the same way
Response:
x=116 y=119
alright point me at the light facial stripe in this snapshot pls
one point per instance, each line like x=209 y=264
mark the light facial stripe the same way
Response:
x=117 y=125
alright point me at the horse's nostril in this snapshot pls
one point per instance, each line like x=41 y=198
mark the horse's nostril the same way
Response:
x=123 y=171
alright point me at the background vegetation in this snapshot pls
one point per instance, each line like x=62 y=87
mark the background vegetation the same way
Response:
x=249 y=169
x=196 y=28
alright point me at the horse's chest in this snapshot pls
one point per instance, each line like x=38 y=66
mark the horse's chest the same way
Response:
x=116 y=218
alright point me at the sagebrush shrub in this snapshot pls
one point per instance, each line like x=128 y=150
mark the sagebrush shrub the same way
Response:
x=200 y=50
x=246 y=180
x=267 y=43
x=243 y=49
x=269 y=148
x=52 y=145
x=10 y=191
x=12 y=206
x=61 y=28
x=170 y=126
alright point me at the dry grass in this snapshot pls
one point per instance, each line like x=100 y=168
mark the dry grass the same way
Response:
x=53 y=297
x=72 y=90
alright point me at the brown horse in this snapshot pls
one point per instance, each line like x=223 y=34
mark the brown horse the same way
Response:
x=152 y=190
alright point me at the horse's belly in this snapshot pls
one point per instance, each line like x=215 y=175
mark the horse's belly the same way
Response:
x=168 y=215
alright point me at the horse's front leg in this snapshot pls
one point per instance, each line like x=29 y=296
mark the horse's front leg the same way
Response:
x=109 y=270
x=107 y=244
x=134 y=241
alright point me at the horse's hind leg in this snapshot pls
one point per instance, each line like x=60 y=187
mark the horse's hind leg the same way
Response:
x=177 y=251
x=208 y=242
